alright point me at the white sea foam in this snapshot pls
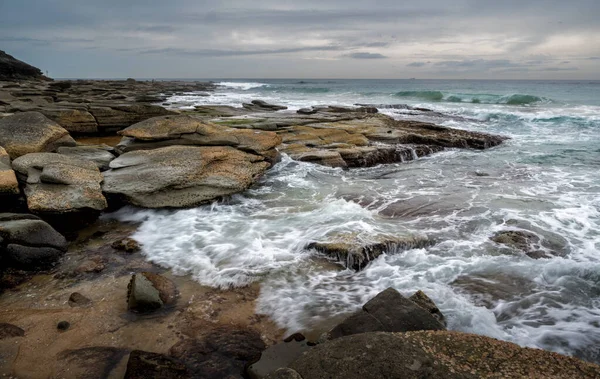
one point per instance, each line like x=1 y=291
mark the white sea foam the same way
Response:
x=241 y=85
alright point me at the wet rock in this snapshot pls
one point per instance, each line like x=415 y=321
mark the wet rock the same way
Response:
x=29 y=243
x=92 y=265
x=486 y=289
x=181 y=176
x=423 y=301
x=186 y=130
x=434 y=354
x=89 y=362
x=101 y=155
x=262 y=106
x=276 y=356
x=12 y=68
x=148 y=292
x=528 y=242
x=145 y=365
x=128 y=245
x=10 y=331
x=78 y=300
x=63 y=326
x=389 y=311
x=59 y=187
x=355 y=251
x=222 y=353
x=31 y=132
x=284 y=373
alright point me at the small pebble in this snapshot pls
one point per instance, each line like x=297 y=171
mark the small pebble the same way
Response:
x=63 y=325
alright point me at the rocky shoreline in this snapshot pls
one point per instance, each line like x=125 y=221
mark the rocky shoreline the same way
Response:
x=78 y=298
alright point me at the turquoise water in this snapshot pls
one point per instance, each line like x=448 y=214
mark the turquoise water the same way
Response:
x=544 y=180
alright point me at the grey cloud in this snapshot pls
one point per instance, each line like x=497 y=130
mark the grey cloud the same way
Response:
x=365 y=56
x=417 y=64
x=232 y=53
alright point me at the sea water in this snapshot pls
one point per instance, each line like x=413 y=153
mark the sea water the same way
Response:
x=544 y=180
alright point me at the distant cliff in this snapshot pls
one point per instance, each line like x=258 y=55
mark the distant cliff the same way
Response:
x=12 y=68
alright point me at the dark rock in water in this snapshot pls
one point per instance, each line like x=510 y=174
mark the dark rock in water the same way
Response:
x=487 y=289
x=148 y=292
x=222 y=353
x=389 y=311
x=96 y=362
x=78 y=300
x=181 y=176
x=276 y=356
x=63 y=325
x=434 y=354
x=146 y=365
x=356 y=252
x=423 y=301
x=128 y=245
x=10 y=331
x=11 y=68
x=262 y=106
x=29 y=243
x=31 y=132
x=530 y=243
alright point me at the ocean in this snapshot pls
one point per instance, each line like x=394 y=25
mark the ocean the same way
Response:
x=543 y=180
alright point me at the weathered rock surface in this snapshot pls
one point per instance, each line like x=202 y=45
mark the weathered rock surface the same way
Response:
x=276 y=356
x=186 y=130
x=10 y=331
x=145 y=365
x=355 y=251
x=32 y=132
x=12 y=68
x=423 y=301
x=181 y=176
x=389 y=311
x=222 y=353
x=78 y=300
x=101 y=155
x=29 y=243
x=96 y=362
x=57 y=185
x=434 y=354
x=262 y=106
x=148 y=292
x=9 y=186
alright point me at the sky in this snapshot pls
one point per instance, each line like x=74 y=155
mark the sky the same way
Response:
x=437 y=39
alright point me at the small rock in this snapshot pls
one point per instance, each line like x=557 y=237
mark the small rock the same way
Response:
x=63 y=325
x=93 y=265
x=78 y=300
x=10 y=330
x=148 y=292
x=145 y=365
x=423 y=301
x=128 y=245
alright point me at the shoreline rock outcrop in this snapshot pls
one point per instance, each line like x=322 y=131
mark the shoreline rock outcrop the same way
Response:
x=13 y=69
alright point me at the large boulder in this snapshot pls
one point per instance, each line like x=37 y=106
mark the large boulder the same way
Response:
x=433 y=354
x=11 y=68
x=29 y=243
x=57 y=185
x=389 y=311
x=181 y=176
x=186 y=130
x=31 y=132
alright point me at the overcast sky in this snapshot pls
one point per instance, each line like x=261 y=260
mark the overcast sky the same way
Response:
x=514 y=39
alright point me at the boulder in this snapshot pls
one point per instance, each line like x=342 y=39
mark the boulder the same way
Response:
x=148 y=292
x=61 y=187
x=434 y=354
x=355 y=251
x=423 y=301
x=263 y=106
x=221 y=353
x=181 y=176
x=29 y=243
x=9 y=187
x=32 y=132
x=101 y=155
x=389 y=311
x=144 y=365
x=76 y=121
x=11 y=68
x=186 y=130
x=10 y=331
